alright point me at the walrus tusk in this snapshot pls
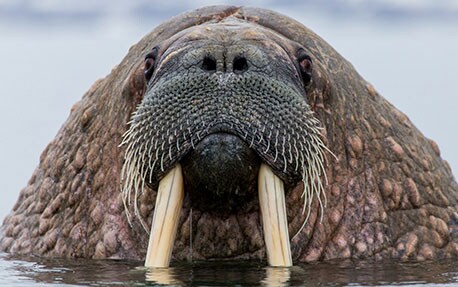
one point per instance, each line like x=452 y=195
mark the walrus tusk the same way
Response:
x=274 y=222
x=165 y=219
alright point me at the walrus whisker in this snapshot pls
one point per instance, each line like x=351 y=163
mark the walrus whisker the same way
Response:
x=319 y=192
x=142 y=158
x=130 y=171
x=322 y=168
x=136 y=185
x=311 y=175
x=252 y=138
x=150 y=154
x=285 y=161
x=329 y=151
x=276 y=148
x=268 y=146
x=297 y=155
x=129 y=188
x=307 y=206
x=139 y=186
x=170 y=153
x=131 y=180
x=162 y=162
x=157 y=153
x=152 y=168
x=290 y=153
x=260 y=138
x=177 y=143
x=124 y=194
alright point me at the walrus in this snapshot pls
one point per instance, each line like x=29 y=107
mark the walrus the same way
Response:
x=236 y=133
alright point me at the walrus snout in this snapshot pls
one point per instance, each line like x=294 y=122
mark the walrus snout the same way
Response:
x=220 y=174
x=224 y=123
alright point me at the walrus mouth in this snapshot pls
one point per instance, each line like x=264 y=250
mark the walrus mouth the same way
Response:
x=267 y=115
x=168 y=206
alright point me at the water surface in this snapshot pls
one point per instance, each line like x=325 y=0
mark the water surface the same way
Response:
x=34 y=271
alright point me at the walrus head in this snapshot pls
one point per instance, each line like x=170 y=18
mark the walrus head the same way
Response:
x=214 y=104
x=221 y=101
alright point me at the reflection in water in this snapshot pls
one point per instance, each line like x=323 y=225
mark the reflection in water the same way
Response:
x=384 y=273
x=163 y=276
x=276 y=276
x=33 y=271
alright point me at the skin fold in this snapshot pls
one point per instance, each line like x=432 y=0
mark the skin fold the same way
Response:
x=389 y=194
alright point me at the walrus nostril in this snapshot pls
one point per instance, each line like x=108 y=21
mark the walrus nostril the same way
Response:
x=209 y=64
x=240 y=65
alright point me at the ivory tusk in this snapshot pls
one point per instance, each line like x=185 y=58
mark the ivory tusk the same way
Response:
x=169 y=202
x=274 y=220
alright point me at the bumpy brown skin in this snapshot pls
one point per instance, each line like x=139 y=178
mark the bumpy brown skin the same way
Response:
x=390 y=195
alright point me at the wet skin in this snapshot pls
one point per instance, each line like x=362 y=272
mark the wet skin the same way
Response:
x=389 y=193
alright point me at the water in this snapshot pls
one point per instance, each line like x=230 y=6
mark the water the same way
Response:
x=32 y=271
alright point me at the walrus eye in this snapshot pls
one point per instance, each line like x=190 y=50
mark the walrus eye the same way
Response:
x=305 y=66
x=150 y=59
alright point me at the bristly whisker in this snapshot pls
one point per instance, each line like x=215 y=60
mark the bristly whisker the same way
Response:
x=312 y=155
x=252 y=138
x=169 y=124
x=268 y=146
x=162 y=162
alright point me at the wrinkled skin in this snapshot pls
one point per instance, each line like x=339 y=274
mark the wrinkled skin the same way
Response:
x=390 y=195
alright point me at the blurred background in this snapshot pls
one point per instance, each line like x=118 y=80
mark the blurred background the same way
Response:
x=51 y=51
